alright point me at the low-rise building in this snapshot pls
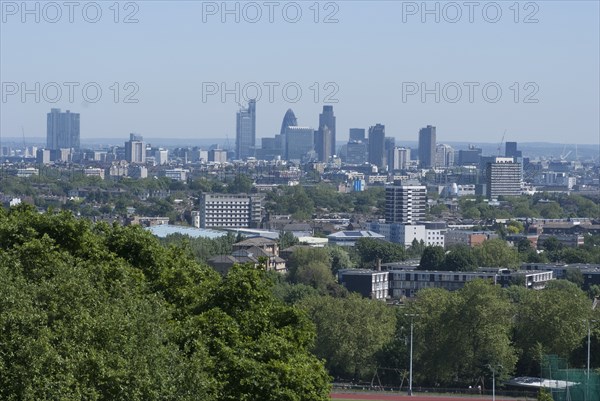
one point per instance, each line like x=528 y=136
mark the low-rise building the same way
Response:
x=176 y=174
x=467 y=238
x=567 y=240
x=399 y=233
x=28 y=172
x=406 y=283
x=369 y=283
x=349 y=238
x=94 y=172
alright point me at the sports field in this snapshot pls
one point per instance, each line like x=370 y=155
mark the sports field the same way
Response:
x=416 y=397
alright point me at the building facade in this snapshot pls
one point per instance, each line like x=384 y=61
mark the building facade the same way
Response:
x=369 y=283
x=427 y=142
x=504 y=177
x=62 y=130
x=377 y=145
x=135 y=149
x=356 y=152
x=444 y=155
x=405 y=204
x=299 y=142
x=401 y=158
x=230 y=211
x=406 y=283
x=245 y=136
x=327 y=120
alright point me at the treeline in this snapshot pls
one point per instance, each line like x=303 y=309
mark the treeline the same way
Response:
x=457 y=335
x=490 y=253
x=104 y=312
x=540 y=205
x=303 y=201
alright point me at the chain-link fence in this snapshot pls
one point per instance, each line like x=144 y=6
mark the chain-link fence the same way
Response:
x=570 y=384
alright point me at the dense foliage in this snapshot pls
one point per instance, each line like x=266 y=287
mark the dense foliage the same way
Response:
x=103 y=312
x=491 y=253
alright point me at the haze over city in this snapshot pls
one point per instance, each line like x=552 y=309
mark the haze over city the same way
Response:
x=376 y=64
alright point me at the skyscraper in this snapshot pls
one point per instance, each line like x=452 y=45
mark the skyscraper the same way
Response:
x=356 y=152
x=135 y=149
x=377 y=145
x=62 y=130
x=444 y=155
x=504 y=177
x=511 y=150
x=390 y=144
x=427 y=147
x=289 y=120
x=323 y=143
x=405 y=204
x=299 y=142
x=327 y=119
x=245 y=137
x=401 y=158
x=357 y=134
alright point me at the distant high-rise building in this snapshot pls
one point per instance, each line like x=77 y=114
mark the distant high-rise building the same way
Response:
x=327 y=119
x=390 y=144
x=245 y=137
x=470 y=156
x=427 y=143
x=356 y=152
x=217 y=155
x=323 y=143
x=289 y=120
x=504 y=177
x=299 y=142
x=62 y=130
x=135 y=149
x=43 y=156
x=401 y=158
x=512 y=151
x=357 y=134
x=405 y=204
x=377 y=145
x=161 y=156
x=444 y=155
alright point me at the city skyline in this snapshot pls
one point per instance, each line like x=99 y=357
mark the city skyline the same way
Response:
x=165 y=71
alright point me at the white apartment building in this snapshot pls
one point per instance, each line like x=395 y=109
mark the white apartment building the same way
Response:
x=230 y=211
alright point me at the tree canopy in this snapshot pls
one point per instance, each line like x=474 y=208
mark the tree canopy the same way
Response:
x=104 y=312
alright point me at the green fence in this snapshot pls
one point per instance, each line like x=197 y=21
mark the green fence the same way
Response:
x=570 y=384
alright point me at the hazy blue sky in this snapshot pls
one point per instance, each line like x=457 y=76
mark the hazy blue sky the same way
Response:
x=372 y=55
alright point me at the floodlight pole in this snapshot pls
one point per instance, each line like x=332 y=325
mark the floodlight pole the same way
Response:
x=410 y=375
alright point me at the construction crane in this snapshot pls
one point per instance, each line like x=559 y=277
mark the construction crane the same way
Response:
x=500 y=144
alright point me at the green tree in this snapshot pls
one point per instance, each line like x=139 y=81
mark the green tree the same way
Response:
x=574 y=275
x=460 y=333
x=552 y=318
x=240 y=184
x=433 y=258
x=106 y=312
x=287 y=239
x=350 y=332
x=544 y=395
x=340 y=259
x=460 y=258
x=496 y=253
x=370 y=250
